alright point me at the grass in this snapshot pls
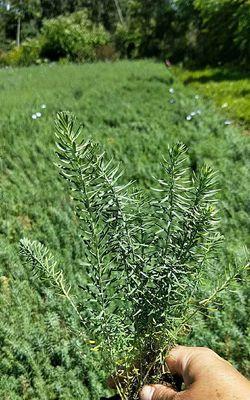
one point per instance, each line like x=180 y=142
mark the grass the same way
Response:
x=229 y=88
x=128 y=107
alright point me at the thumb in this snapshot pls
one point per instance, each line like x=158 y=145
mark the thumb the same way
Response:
x=157 y=392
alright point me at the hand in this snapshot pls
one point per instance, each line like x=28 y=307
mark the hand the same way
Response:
x=205 y=374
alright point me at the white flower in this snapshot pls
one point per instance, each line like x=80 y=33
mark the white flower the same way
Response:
x=198 y=112
x=193 y=113
x=227 y=122
x=171 y=90
x=43 y=106
x=38 y=114
x=188 y=117
x=34 y=116
x=224 y=105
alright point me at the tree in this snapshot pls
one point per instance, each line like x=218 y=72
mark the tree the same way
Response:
x=221 y=22
x=52 y=9
x=107 y=12
x=17 y=11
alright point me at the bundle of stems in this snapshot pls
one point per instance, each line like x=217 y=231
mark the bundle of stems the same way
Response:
x=146 y=256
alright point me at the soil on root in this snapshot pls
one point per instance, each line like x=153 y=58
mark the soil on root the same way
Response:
x=167 y=379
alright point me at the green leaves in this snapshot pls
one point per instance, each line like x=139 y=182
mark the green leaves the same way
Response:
x=145 y=259
x=100 y=204
x=42 y=262
x=45 y=267
x=73 y=36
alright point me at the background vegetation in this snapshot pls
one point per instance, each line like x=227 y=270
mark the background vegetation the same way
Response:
x=135 y=109
x=195 y=32
x=229 y=88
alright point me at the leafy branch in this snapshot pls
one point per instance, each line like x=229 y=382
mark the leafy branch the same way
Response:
x=145 y=258
x=44 y=265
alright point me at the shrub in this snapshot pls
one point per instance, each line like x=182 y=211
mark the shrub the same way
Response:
x=106 y=52
x=194 y=31
x=224 y=31
x=28 y=53
x=128 y=41
x=145 y=258
x=74 y=37
x=242 y=34
x=2 y=58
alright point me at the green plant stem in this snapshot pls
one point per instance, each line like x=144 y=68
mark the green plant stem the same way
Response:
x=202 y=303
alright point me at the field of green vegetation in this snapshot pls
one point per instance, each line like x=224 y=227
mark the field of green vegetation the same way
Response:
x=135 y=109
x=228 y=87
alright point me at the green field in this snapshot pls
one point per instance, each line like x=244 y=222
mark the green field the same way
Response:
x=228 y=87
x=129 y=108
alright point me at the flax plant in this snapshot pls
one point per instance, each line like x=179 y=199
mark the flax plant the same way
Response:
x=146 y=256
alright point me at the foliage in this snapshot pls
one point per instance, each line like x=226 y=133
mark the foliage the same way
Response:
x=74 y=37
x=222 y=30
x=221 y=322
x=31 y=7
x=195 y=32
x=28 y=53
x=56 y=8
x=40 y=357
x=128 y=108
x=243 y=32
x=228 y=87
x=2 y=58
x=107 y=12
x=145 y=260
x=99 y=11
x=138 y=37
x=20 y=17
x=127 y=42
x=106 y=52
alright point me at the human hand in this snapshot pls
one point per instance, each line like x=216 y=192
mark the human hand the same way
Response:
x=205 y=374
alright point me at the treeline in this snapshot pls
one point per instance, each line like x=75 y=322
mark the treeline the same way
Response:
x=195 y=32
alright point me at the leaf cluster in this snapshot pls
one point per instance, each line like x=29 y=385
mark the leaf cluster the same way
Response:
x=145 y=256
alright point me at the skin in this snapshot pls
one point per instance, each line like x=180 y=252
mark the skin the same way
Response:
x=206 y=376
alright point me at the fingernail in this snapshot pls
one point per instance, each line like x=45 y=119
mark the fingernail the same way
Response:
x=147 y=393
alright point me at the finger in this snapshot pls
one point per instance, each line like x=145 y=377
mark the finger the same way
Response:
x=190 y=362
x=177 y=360
x=157 y=392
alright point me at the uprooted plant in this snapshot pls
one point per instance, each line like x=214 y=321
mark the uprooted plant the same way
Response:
x=145 y=256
